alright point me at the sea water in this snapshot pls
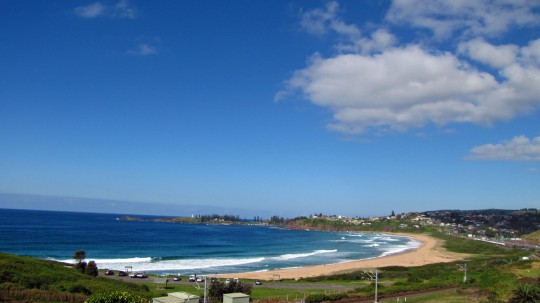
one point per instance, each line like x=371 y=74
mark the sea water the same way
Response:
x=159 y=247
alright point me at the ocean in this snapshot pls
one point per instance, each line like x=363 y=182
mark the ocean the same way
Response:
x=170 y=248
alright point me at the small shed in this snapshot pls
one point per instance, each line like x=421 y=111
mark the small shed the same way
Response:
x=235 y=297
x=177 y=297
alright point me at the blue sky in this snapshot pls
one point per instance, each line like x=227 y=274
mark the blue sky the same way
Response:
x=289 y=107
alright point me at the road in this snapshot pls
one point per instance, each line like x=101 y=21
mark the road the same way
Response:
x=280 y=285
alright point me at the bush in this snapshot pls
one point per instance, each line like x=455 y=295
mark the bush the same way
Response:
x=91 y=269
x=117 y=297
x=322 y=297
x=316 y=298
x=80 y=266
x=80 y=289
x=525 y=293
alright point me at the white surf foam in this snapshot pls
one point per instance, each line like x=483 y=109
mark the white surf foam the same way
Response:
x=302 y=255
x=396 y=249
x=149 y=264
x=113 y=261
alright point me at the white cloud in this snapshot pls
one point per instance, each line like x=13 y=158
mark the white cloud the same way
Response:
x=92 y=10
x=519 y=148
x=470 y=18
x=397 y=89
x=320 y=22
x=121 y=9
x=374 y=83
x=495 y=56
x=143 y=49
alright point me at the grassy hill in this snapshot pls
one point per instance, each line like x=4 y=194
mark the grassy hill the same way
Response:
x=24 y=279
x=535 y=236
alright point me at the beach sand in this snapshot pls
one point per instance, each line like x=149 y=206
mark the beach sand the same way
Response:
x=431 y=251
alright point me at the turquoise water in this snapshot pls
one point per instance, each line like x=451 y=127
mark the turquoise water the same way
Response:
x=184 y=248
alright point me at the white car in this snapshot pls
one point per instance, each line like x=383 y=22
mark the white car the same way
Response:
x=200 y=279
x=191 y=278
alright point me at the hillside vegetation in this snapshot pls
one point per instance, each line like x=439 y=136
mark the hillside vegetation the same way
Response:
x=534 y=237
x=25 y=279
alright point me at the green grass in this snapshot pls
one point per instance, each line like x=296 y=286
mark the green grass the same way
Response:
x=22 y=277
x=443 y=296
x=283 y=293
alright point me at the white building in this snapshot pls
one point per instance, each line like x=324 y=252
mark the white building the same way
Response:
x=177 y=297
x=236 y=297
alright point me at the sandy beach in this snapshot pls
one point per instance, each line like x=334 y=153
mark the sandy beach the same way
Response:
x=431 y=251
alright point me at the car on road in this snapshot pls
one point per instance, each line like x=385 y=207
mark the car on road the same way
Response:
x=177 y=278
x=258 y=282
x=140 y=275
x=122 y=274
x=109 y=272
x=192 y=278
x=200 y=279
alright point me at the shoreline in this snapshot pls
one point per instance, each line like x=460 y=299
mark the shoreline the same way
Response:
x=430 y=251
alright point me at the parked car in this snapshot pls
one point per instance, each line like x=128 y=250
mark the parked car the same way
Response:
x=214 y=279
x=109 y=272
x=192 y=278
x=258 y=282
x=200 y=279
x=227 y=281
x=140 y=275
x=177 y=278
x=122 y=273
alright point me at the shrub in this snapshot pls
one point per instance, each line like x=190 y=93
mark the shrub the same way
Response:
x=525 y=293
x=91 y=269
x=79 y=289
x=117 y=297
x=322 y=297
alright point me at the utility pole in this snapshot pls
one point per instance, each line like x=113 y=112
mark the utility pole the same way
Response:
x=376 y=283
x=464 y=269
x=376 y=278
x=205 y=286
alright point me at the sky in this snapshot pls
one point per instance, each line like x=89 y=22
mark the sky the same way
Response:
x=344 y=107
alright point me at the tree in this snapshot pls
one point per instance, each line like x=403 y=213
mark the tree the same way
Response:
x=81 y=266
x=525 y=293
x=217 y=289
x=79 y=257
x=91 y=269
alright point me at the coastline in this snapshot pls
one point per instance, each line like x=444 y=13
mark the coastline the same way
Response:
x=430 y=251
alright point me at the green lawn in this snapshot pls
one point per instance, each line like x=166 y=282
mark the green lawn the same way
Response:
x=442 y=296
